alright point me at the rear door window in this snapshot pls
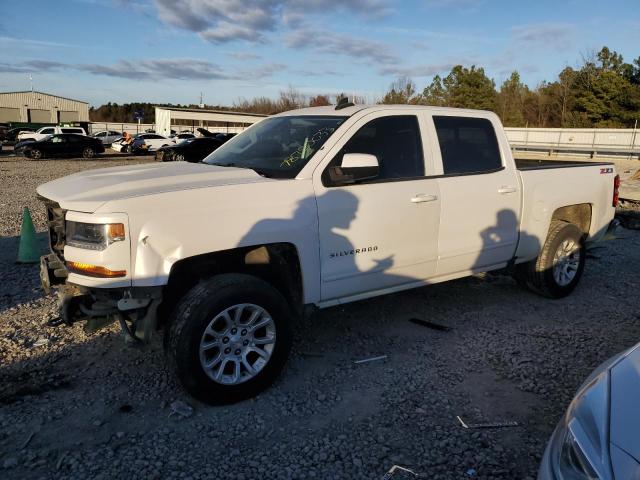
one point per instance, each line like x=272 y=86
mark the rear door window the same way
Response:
x=468 y=145
x=47 y=131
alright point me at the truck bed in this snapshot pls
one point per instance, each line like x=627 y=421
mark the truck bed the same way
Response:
x=534 y=164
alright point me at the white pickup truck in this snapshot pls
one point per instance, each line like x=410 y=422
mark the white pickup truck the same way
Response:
x=306 y=209
x=46 y=131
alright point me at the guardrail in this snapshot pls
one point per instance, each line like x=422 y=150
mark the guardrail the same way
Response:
x=593 y=141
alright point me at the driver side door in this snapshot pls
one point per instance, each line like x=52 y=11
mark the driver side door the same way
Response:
x=56 y=145
x=380 y=233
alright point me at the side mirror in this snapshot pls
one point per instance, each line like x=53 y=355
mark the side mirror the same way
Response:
x=355 y=167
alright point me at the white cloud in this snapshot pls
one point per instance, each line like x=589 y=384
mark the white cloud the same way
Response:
x=220 y=21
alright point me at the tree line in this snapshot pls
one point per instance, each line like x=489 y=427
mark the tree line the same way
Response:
x=603 y=92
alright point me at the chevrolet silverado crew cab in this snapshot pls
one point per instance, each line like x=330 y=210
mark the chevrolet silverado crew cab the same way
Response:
x=309 y=209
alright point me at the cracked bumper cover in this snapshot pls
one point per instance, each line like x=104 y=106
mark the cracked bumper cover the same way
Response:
x=99 y=307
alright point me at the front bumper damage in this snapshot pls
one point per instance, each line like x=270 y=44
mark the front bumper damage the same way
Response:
x=134 y=308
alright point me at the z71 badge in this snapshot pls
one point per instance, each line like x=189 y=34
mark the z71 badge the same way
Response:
x=606 y=170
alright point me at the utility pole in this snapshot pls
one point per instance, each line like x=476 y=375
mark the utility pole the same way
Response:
x=31 y=81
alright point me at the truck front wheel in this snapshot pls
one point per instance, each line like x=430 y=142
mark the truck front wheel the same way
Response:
x=558 y=268
x=229 y=338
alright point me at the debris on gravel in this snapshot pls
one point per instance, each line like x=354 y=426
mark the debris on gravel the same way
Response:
x=101 y=408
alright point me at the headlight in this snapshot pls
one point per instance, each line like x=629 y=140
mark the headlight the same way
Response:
x=574 y=463
x=584 y=453
x=94 y=236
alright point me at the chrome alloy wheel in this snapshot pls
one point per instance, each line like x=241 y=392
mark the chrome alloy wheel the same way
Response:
x=566 y=262
x=237 y=344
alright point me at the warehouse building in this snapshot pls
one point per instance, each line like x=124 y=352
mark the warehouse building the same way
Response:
x=38 y=107
x=220 y=120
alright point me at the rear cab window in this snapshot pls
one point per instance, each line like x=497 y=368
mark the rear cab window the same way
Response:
x=468 y=145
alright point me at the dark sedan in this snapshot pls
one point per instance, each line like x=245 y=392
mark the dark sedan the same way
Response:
x=63 y=145
x=190 y=150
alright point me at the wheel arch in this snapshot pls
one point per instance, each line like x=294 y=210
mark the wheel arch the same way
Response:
x=579 y=214
x=276 y=263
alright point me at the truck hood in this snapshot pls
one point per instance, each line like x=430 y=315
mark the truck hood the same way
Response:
x=87 y=191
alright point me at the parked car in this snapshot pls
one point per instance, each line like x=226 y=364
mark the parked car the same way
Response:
x=224 y=137
x=189 y=150
x=107 y=137
x=63 y=145
x=179 y=137
x=11 y=135
x=599 y=435
x=148 y=142
x=206 y=133
x=44 y=131
x=309 y=209
x=221 y=136
x=119 y=145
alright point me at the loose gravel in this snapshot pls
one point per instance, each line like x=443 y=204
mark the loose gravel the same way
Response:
x=74 y=405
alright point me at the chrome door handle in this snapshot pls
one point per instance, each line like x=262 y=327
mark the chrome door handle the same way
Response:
x=507 y=189
x=423 y=197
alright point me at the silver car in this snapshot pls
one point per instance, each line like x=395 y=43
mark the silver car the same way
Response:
x=599 y=435
x=107 y=137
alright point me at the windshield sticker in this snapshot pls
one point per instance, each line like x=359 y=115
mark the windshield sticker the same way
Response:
x=307 y=149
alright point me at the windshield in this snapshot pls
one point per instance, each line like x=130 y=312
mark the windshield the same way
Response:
x=277 y=147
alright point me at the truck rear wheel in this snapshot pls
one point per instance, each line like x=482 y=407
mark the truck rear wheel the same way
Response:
x=229 y=338
x=558 y=268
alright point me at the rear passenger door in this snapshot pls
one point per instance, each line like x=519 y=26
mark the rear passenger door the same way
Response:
x=480 y=196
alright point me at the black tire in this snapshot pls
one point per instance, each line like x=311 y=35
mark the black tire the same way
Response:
x=178 y=157
x=36 y=154
x=128 y=149
x=538 y=275
x=88 y=152
x=193 y=314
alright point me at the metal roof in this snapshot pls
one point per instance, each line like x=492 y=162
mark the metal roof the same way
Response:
x=43 y=93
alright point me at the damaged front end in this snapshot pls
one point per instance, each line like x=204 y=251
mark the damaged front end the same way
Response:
x=134 y=308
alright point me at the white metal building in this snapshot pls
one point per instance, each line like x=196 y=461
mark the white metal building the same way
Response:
x=193 y=118
x=38 y=107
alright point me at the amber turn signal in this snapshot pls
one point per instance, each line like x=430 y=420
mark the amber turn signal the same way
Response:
x=95 y=270
x=115 y=232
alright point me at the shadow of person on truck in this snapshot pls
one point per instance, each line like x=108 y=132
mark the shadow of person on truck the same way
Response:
x=337 y=252
x=501 y=241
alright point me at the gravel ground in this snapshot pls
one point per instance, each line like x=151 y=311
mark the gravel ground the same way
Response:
x=88 y=406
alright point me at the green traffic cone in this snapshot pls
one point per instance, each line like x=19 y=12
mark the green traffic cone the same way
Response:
x=28 y=250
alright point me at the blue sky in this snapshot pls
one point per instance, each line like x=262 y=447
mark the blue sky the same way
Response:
x=171 y=50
